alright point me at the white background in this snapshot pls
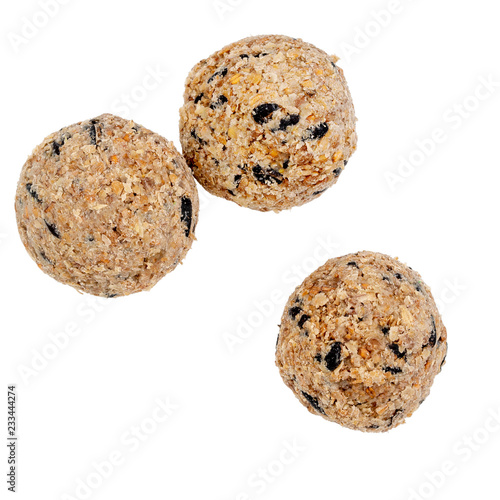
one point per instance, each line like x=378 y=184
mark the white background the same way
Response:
x=409 y=76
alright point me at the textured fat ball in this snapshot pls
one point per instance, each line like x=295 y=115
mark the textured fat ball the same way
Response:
x=274 y=112
x=361 y=341
x=106 y=206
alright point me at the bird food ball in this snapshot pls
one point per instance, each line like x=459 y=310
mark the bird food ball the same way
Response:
x=268 y=122
x=106 y=206
x=361 y=341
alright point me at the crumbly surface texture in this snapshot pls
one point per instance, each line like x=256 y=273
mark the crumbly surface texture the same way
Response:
x=361 y=341
x=106 y=206
x=268 y=122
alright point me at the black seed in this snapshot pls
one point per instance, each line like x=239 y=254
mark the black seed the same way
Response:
x=334 y=357
x=316 y=132
x=237 y=180
x=232 y=193
x=33 y=193
x=334 y=65
x=385 y=330
x=346 y=162
x=433 y=336
x=90 y=239
x=93 y=132
x=392 y=370
x=399 y=276
x=222 y=73
x=219 y=102
x=318 y=358
x=319 y=192
x=244 y=56
x=289 y=121
x=262 y=113
x=418 y=287
x=293 y=311
x=199 y=139
x=337 y=172
x=385 y=278
x=267 y=175
x=353 y=264
x=396 y=412
x=442 y=363
x=372 y=426
x=286 y=164
x=186 y=213
x=198 y=98
x=53 y=229
x=111 y=295
x=313 y=402
x=56 y=146
x=395 y=349
x=45 y=258
x=261 y=54
x=303 y=319
x=136 y=128
x=277 y=340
